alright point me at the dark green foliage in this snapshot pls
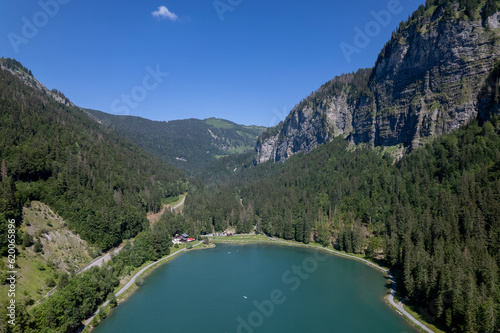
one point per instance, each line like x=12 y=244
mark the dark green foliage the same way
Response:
x=100 y=183
x=490 y=7
x=15 y=65
x=189 y=144
x=27 y=240
x=434 y=216
x=469 y=7
x=437 y=209
x=38 y=246
x=63 y=280
x=102 y=314
x=324 y=234
x=78 y=300
x=50 y=282
x=149 y=245
x=489 y=97
x=139 y=282
x=94 y=322
x=9 y=209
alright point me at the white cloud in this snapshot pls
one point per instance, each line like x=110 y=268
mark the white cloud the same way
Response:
x=164 y=13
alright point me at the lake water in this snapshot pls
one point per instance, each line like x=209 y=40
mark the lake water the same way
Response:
x=258 y=288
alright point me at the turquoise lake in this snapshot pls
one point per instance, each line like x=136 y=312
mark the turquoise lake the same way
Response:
x=258 y=288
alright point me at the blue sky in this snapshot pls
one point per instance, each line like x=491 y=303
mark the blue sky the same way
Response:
x=249 y=61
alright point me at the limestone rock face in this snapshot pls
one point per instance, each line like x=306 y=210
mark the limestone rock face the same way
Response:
x=16 y=69
x=426 y=81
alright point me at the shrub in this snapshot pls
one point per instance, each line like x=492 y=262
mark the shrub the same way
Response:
x=38 y=246
x=139 y=281
x=50 y=282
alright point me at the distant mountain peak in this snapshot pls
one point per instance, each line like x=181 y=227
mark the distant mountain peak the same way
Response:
x=197 y=142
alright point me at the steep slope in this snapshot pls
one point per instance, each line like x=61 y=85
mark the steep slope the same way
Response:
x=101 y=184
x=189 y=144
x=425 y=83
x=48 y=252
x=433 y=217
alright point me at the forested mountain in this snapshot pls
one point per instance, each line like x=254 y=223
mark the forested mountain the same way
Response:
x=51 y=151
x=189 y=144
x=425 y=82
x=433 y=217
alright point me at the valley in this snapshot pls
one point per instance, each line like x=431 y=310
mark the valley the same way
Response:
x=395 y=167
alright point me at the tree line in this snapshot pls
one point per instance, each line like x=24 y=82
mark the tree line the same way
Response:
x=100 y=183
x=433 y=216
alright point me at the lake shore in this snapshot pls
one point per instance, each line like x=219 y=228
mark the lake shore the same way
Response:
x=399 y=307
x=125 y=290
x=130 y=287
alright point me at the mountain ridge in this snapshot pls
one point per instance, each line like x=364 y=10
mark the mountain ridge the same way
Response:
x=189 y=144
x=52 y=152
x=424 y=83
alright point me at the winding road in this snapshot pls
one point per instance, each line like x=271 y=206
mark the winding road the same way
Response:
x=107 y=257
x=100 y=260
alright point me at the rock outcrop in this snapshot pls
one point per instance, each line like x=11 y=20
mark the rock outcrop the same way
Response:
x=27 y=78
x=426 y=81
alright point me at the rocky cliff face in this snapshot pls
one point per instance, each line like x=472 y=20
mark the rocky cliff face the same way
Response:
x=27 y=78
x=426 y=81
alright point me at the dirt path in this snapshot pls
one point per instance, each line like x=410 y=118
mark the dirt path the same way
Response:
x=179 y=204
x=152 y=218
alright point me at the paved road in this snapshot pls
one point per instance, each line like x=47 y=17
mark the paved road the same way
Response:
x=100 y=260
x=96 y=262
x=400 y=307
x=107 y=257
x=132 y=280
